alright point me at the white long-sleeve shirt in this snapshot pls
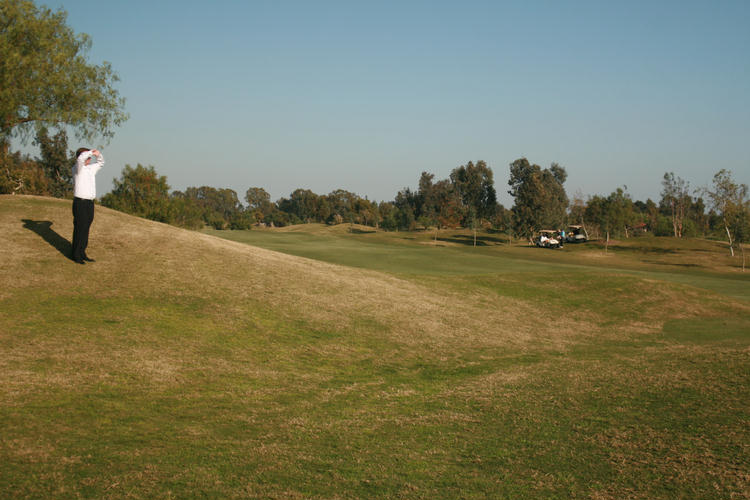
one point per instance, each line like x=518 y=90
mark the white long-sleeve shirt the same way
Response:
x=84 y=176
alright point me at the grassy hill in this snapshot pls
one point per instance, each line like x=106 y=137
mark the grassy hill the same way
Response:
x=182 y=365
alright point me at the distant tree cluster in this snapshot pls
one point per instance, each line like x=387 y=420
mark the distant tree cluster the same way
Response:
x=722 y=210
x=467 y=198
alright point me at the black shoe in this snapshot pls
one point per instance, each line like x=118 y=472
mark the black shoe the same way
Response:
x=88 y=259
x=79 y=262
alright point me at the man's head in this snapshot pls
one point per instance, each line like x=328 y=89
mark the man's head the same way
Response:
x=81 y=151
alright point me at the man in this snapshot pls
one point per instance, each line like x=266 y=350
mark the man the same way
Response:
x=84 y=192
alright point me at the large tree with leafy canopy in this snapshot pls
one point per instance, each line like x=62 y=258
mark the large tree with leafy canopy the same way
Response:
x=46 y=79
x=259 y=203
x=475 y=187
x=539 y=195
x=140 y=191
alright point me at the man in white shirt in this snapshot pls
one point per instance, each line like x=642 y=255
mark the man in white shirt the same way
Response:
x=84 y=192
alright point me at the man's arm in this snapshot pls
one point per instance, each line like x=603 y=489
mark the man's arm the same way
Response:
x=99 y=160
x=82 y=158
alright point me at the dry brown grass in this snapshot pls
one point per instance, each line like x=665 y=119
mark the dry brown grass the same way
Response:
x=143 y=260
x=157 y=259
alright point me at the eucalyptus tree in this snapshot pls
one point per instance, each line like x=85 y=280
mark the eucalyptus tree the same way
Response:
x=342 y=203
x=425 y=208
x=675 y=198
x=221 y=207
x=302 y=203
x=730 y=201
x=539 y=196
x=475 y=189
x=46 y=79
x=406 y=204
x=56 y=161
x=259 y=203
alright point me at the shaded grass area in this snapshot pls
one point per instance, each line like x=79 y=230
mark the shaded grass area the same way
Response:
x=173 y=370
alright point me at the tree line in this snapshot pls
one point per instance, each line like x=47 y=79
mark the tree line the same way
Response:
x=466 y=199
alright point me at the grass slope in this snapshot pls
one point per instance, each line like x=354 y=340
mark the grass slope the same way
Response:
x=180 y=365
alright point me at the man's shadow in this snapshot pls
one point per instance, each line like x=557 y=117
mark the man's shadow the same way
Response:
x=44 y=229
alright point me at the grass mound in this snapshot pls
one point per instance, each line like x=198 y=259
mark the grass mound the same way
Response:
x=183 y=365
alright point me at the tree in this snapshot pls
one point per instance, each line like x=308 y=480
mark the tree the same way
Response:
x=366 y=212
x=302 y=203
x=343 y=204
x=651 y=211
x=475 y=187
x=56 y=161
x=140 y=191
x=448 y=209
x=185 y=212
x=556 y=203
x=259 y=203
x=388 y=215
x=596 y=213
x=676 y=198
x=441 y=206
x=45 y=79
x=427 y=205
x=50 y=175
x=729 y=199
x=620 y=211
x=613 y=214
x=19 y=174
x=405 y=204
x=221 y=207
x=578 y=211
x=697 y=216
x=539 y=196
x=502 y=219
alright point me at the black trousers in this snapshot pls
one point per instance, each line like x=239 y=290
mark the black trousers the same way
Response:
x=83 y=216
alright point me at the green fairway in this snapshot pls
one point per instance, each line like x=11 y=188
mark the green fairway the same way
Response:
x=379 y=252
x=181 y=365
x=414 y=255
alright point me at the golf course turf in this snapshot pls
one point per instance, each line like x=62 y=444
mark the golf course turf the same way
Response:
x=322 y=362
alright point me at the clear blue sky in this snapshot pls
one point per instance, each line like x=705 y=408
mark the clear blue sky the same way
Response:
x=364 y=96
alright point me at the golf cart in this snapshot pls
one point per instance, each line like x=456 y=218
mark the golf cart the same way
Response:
x=576 y=234
x=547 y=238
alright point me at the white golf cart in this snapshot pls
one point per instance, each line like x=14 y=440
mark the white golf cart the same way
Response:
x=547 y=238
x=576 y=234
